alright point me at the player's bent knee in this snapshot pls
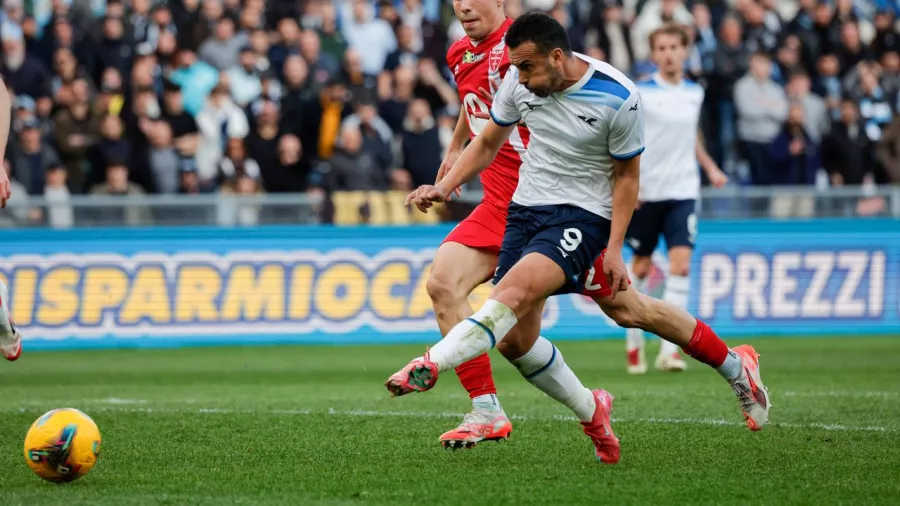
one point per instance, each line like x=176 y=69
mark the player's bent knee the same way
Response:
x=442 y=289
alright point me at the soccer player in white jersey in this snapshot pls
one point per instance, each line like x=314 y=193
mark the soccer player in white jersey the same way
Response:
x=577 y=190
x=10 y=340
x=670 y=183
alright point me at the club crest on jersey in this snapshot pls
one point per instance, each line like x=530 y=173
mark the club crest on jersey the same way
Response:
x=471 y=57
x=496 y=58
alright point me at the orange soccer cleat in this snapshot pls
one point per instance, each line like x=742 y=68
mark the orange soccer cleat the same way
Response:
x=748 y=387
x=477 y=426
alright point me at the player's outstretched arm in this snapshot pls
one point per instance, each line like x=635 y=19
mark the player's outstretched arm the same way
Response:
x=624 y=200
x=5 y=118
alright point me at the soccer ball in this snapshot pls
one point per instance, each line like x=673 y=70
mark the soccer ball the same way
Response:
x=62 y=445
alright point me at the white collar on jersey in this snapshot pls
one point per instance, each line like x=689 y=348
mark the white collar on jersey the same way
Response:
x=658 y=78
x=584 y=79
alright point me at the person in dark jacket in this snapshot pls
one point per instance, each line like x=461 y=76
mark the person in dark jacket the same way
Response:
x=794 y=156
x=731 y=61
x=847 y=150
x=352 y=167
x=420 y=145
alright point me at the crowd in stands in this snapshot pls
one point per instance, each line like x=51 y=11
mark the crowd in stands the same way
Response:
x=132 y=97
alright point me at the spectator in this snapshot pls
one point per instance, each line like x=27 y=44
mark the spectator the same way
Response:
x=111 y=99
x=323 y=119
x=888 y=151
x=373 y=126
x=421 y=151
x=289 y=36
x=23 y=72
x=847 y=150
x=293 y=171
x=111 y=146
x=31 y=155
x=614 y=37
x=262 y=143
x=731 y=61
x=244 y=79
x=260 y=46
x=762 y=26
x=393 y=109
x=297 y=93
x=886 y=38
x=56 y=192
x=162 y=22
x=218 y=122
x=66 y=71
x=185 y=132
x=828 y=84
x=221 y=51
x=815 y=113
x=139 y=20
x=117 y=183
x=875 y=107
x=795 y=157
x=322 y=67
x=114 y=49
x=332 y=41
x=405 y=54
x=373 y=38
x=164 y=160
x=352 y=167
x=828 y=33
x=358 y=82
x=431 y=86
x=196 y=78
x=236 y=163
x=851 y=50
x=761 y=109
x=654 y=14
x=76 y=129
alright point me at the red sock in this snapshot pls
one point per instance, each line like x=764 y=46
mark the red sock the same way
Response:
x=476 y=377
x=706 y=347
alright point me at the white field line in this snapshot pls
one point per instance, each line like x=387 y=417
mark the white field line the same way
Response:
x=121 y=407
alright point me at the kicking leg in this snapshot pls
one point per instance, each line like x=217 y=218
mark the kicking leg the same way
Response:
x=10 y=339
x=634 y=338
x=456 y=271
x=739 y=366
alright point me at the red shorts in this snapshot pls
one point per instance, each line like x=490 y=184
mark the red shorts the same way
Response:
x=483 y=229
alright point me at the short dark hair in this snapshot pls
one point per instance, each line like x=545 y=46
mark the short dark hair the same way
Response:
x=540 y=29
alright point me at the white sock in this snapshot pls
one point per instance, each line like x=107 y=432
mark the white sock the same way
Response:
x=634 y=338
x=473 y=336
x=543 y=366
x=731 y=367
x=487 y=402
x=676 y=293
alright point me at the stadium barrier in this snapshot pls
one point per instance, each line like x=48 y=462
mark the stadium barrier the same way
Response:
x=388 y=208
x=160 y=287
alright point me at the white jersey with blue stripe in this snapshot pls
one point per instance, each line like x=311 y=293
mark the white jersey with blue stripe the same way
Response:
x=669 y=169
x=575 y=135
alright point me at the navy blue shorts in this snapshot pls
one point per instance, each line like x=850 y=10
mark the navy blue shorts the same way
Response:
x=675 y=220
x=566 y=234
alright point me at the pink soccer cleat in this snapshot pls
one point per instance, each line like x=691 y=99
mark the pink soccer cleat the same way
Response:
x=10 y=339
x=477 y=426
x=748 y=387
x=417 y=376
x=599 y=429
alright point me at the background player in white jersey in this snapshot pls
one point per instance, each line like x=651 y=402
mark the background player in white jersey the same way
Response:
x=577 y=189
x=670 y=183
x=10 y=340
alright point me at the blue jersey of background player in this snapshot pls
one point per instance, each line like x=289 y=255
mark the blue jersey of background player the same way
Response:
x=670 y=183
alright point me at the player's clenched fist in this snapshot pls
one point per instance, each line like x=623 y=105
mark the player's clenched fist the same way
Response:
x=426 y=195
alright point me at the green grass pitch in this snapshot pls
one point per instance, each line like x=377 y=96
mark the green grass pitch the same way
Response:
x=314 y=425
